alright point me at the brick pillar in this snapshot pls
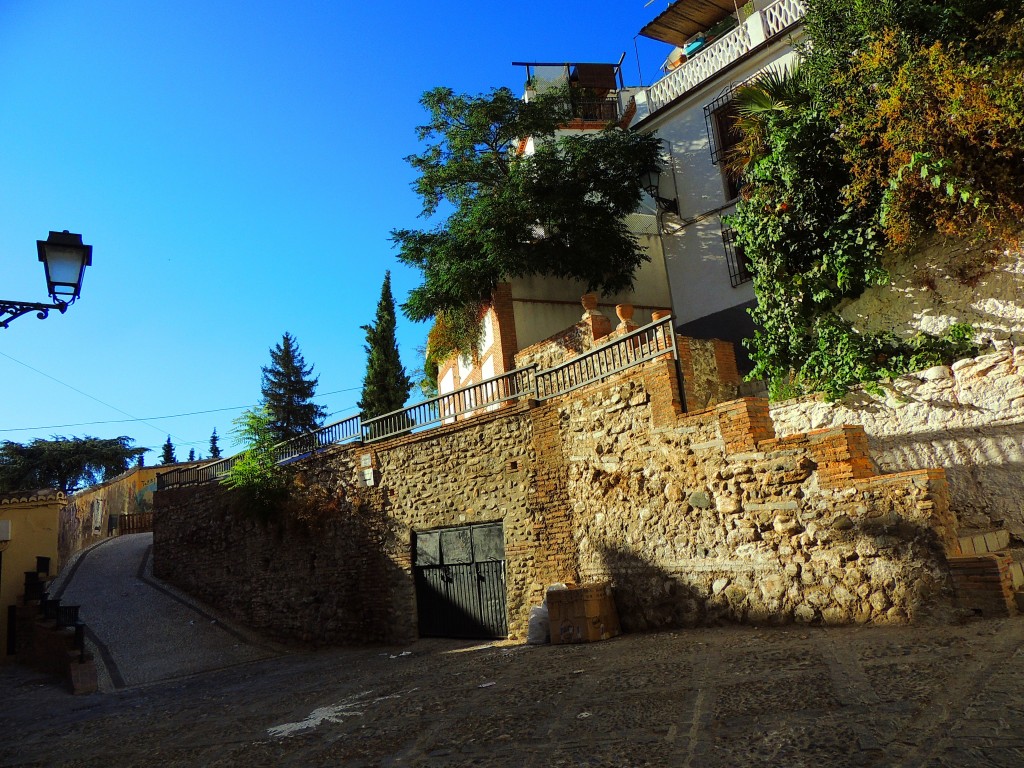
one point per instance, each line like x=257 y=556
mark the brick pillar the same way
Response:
x=505 y=342
x=662 y=384
x=599 y=325
x=744 y=423
x=684 y=347
x=556 y=558
x=725 y=362
x=842 y=454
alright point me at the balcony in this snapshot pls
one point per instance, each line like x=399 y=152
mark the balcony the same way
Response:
x=592 y=89
x=760 y=26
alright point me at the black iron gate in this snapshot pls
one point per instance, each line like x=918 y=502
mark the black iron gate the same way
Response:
x=460 y=581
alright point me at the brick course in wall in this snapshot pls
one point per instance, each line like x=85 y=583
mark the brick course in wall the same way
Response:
x=694 y=518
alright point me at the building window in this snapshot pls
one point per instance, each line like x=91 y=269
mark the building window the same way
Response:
x=739 y=267
x=720 y=117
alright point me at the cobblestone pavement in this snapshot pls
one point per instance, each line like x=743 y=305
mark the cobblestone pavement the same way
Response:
x=141 y=630
x=925 y=697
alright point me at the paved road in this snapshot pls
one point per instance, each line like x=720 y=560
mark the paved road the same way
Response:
x=922 y=697
x=141 y=630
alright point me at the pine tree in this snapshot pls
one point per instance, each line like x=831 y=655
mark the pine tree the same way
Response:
x=288 y=388
x=386 y=385
x=168 y=456
x=191 y=454
x=214 y=447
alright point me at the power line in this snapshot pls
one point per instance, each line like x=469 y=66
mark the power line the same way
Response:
x=85 y=394
x=142 y=420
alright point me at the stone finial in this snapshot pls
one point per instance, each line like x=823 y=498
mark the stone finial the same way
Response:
x=625 y=313
x=589 y=301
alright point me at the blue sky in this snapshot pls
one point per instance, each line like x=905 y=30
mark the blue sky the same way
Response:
x=237 y=168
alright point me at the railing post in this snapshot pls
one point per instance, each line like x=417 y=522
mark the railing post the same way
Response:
x=755 y=28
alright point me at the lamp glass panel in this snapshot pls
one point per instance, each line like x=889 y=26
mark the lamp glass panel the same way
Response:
x=64 y=268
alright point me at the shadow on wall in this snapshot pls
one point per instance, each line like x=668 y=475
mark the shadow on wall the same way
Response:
x=881 y=570
x=647 y=596
x=328 y=569
x=941 y=284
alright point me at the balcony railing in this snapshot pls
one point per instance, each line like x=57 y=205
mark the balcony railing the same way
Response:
x=762 y=25
x=652 y=341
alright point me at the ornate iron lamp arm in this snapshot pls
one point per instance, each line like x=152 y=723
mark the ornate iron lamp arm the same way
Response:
x=11 y=310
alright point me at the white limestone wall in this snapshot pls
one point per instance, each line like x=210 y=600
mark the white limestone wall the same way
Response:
x=968 y=419
x=946 y=283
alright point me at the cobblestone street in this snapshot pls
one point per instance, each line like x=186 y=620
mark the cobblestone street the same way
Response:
x=928 y=696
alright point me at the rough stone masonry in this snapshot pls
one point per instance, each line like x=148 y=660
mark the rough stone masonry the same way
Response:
x=695 y=518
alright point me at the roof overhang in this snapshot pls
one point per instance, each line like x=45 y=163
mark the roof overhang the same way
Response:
x=685 y=18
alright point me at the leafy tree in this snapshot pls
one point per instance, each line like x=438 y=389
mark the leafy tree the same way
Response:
x=385 y=385
x=168 y=457
x=558 y=212
x=214 y=447
x=256 y=473
x=64 y=463
x=288 y=388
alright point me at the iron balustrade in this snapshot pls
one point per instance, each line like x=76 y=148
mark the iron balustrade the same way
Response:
x=444 y=409
x=650 y=342
x=654 y=340
x=298 y=447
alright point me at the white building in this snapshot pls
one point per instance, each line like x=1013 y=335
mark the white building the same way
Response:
x=717 y=45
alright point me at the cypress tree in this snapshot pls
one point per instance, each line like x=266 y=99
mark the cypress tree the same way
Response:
x=214 y=447
x=386 y=385
x=168 y=456
x=288 y=388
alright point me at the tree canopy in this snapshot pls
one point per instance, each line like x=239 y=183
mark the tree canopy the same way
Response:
x=65 y=463
x=557 y=212
x=386 y=384
x=256 y=473
x=288 y=388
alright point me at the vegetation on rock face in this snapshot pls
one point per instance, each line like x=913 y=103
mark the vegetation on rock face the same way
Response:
x=385 y=385
x=288 y=388
x=903 y=119
x=64 y=463
x=558 y=212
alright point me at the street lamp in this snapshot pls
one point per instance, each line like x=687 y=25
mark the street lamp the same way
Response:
x=64 y=258
x=652 y=182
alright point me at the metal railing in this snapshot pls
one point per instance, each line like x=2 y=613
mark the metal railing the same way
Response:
x=650 y=342
x=288 y=451
x=760 y=26
x=486 y=395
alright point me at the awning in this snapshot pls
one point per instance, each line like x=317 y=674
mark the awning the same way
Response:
x=685 y=18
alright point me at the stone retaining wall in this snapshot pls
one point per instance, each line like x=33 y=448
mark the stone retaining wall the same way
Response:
x=695 y=518
x=968 y=419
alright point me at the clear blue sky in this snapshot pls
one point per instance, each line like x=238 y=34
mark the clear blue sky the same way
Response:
x=237 y=168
